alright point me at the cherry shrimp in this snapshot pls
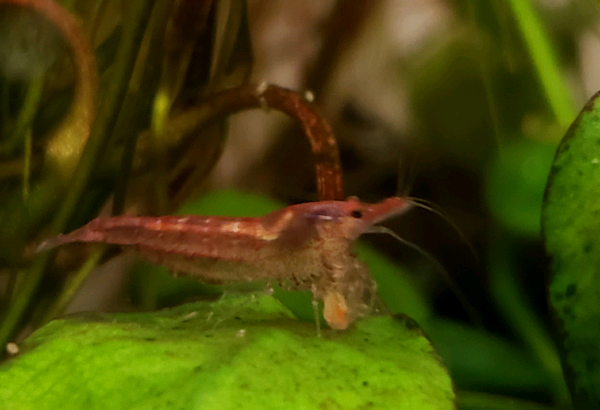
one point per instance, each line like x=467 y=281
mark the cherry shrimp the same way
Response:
x=303 y=247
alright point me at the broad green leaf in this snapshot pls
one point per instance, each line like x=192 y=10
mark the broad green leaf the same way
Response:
x=571 y=229
x=238 y=353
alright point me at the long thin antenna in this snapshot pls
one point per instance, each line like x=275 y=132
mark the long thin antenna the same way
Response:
x=407 y=180
x=429 y=206
x=471 y=312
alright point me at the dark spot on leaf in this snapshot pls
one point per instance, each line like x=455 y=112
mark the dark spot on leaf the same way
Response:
x=568 y=312
x=580 y=173
x=237 y=318
x=197 y=369
x=571 y=289
x=588 y=247
x=149 y=339
x=365 y=383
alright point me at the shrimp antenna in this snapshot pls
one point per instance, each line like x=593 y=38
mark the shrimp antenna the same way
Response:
x=406 y=175
x=471 y=312
x=431 y=207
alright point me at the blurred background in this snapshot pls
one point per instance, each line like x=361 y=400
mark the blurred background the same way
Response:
x=460 y=103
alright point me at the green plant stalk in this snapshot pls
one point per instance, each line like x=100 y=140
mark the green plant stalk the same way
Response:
x=508 y=46
x=63 y=147
x=145 y=77
x=26 y=115
x=20 y=221
x=149 y=295
x=104 y=126
x=486 y=79
x=13 y=168
x=27 y=165
x=124 y=175
x=74 y=284
x=545 y=62
x=4 y=107
x=512 y=302
x=107 y=118
x=11 y=284
x=22 y=297
x=98 y=14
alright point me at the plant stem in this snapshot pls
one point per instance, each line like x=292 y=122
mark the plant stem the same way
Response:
x=107 y=118
x=26 y=115
x=545 y=62
x=16 y=167
x=141 y=89
x=104 y=126
x=515 y=307
x=27 y=165
x=74 y=284
x=486 y=78
x=4 y=106
x=64 y=147
x=250 y=96
x=22 y=297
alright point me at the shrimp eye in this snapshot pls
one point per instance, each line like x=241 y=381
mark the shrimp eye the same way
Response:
x=356 y=213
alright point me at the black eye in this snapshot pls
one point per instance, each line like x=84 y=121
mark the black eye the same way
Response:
x=356 y=213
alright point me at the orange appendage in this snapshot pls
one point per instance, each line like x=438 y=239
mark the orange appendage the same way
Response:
x=335 y=310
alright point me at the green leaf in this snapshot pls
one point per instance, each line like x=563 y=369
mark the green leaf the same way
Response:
x=230 y=203
x=238 y=353
x=544 y=59
x=571 y=226
x=515 y=185
x=483 y=361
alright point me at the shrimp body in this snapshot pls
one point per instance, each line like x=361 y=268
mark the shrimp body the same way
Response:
x=305 y=247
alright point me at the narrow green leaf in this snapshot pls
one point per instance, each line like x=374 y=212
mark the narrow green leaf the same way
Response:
x=544 y=60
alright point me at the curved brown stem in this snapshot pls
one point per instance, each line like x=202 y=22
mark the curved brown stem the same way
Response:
x=250 y=96
x=66 y=144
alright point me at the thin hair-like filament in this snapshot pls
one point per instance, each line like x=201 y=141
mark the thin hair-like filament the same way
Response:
x=473 y=314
